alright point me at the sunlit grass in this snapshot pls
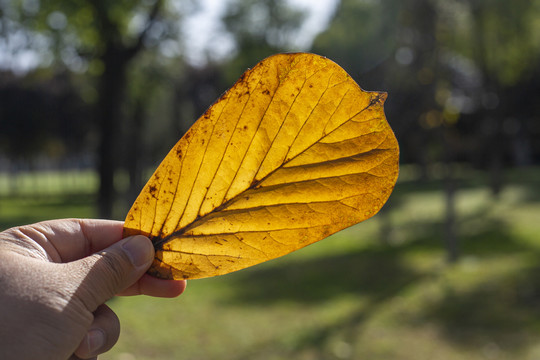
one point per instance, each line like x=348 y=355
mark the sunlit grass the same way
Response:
x=23 y=210
x=53 y=182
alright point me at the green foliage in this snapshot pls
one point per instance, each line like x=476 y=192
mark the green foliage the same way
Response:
x=259 y=29
x=453 y=70
x=362 y=34
x=271 y=22
x=500 y=36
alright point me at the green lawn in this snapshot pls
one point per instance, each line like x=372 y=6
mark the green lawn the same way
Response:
x=353 y=296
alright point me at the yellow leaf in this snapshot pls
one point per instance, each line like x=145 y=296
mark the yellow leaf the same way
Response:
x=294 y=152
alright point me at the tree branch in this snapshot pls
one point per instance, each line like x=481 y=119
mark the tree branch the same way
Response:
x=107 y=29
x=154 y=13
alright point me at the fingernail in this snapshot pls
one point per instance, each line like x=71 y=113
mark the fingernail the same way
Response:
x=95 y=340
x=139 y=250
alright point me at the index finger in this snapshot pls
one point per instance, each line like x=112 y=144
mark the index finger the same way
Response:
x=67 y=240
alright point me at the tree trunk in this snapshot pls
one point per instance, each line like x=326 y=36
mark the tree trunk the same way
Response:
x=449 y=139
x=450 y=236
x=109 y=115
x=134 y=158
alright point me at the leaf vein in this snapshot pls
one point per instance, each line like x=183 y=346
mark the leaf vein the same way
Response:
x=228 y=142
x=309 y=116
x=287 y=115
x=254 y=135
x=202 y=161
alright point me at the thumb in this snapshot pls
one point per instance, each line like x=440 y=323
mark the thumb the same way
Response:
x=104 y=274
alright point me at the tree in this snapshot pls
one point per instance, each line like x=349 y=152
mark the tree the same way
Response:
x=453 y=70
x=445 y=64
x=100 y=39
x=115 y=57
x=259 y=28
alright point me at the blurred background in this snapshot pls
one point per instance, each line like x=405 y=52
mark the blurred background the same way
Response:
x=93 y=94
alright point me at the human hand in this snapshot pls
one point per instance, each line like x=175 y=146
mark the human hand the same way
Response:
x=55 y=277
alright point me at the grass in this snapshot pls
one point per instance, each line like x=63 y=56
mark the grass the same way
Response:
x=16 y=211
x=353 y=296
x=28 y=197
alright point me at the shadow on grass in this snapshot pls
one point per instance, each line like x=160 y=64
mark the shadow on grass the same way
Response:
x=504 y=310
x=503 y=307
x=529 y=179
x=369 y=273
x=532 y=193
x=499 y=309
x=481 y=234
x=375 y=275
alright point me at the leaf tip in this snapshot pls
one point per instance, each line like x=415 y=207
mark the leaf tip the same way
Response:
x=378 y=98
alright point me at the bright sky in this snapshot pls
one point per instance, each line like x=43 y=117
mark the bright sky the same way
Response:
x=204 y=32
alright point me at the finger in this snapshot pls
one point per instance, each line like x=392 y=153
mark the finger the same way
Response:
x=71 y=239
x=102 y=334
x=104 y=274
x=152 y=286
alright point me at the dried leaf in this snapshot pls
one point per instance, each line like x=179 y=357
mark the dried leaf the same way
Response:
x=294 y=152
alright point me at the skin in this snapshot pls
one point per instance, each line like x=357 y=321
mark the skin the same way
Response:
x=55 y=278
